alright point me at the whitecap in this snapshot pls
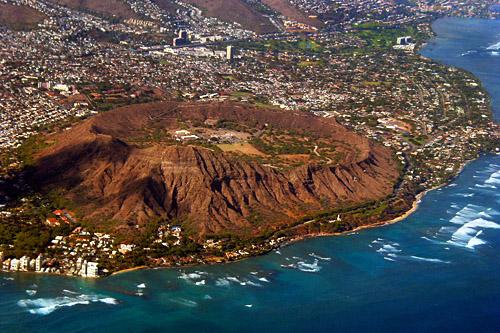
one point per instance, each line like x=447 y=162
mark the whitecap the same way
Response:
x=31 y=292
x=468 y=52
x=469 y=212
x=389 y=259
x=430 y=260
x=8 y=278
x=495 y=46
x=233 y=279
x=200 y=283
x=486 y=186
x=248 y=305
x=109 y=300
x=185 y=302
x=263 y=279
x=465 y=233
x=475 y=241
x=66 y=291
x=45 y=306
x=308 y=267
x=222 y=282
x=389 y=248
x=255 y=284
x=494 y=178
x=141 y=286
x=314 y=255
x=207 y=297
x=190 y=276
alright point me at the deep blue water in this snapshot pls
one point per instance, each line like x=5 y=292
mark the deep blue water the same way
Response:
x=439 y=270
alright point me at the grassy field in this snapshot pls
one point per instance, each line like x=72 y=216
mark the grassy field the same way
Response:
x=383 y=36
x=244 y=148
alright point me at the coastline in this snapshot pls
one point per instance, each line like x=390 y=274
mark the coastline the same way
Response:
x=414 y=207
x=402 y=217
x=127 y=270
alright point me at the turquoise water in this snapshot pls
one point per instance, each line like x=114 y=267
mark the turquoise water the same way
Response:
x=437 y=271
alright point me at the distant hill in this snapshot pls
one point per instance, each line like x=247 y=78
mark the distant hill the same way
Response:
x=236 y=11
x=20 y=17
x=109 y=8
x=167 y=5
x=286 y=9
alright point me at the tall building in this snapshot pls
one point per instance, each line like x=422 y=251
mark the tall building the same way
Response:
x=182 y=38
x=39 y=263
x=230 y=53
x=406 y=40
x=24 y=263
x=183 y=34
x=83 y=269
x=92 y=269
x=14 y=264
x=1 y=258
x=6 y=265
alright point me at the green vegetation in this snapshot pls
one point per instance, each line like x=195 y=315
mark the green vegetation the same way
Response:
x=29 y=147
x=379 y=36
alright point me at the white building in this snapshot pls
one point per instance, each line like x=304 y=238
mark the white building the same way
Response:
x=92 y=269
x=39 y=263
x=230 y=53
x=6 y=265
x=14 y=264
x=24 y=263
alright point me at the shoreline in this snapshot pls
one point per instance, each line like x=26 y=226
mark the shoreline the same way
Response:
x=402 y=217
x=127 y=270
x=414 y=207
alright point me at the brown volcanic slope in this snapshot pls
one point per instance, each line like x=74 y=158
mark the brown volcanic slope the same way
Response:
x=213 y=192
x=236 y=11
x=20 y=17
x=290 y=11
x=117 y=8
x=167 y=5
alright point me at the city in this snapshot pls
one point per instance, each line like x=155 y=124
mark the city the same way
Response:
x=362 y=70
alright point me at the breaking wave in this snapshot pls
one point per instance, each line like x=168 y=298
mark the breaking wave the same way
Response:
x=430 y=260
x=314 y=255
x=185 y=302
x=467 y=234
x=495 y=46
x=45 y=306
x=31 y=292
x=309 y=267
x=221 y=282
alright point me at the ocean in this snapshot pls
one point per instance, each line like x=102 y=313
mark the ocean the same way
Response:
x=436 y=271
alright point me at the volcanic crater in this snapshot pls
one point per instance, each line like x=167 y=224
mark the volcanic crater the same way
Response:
x=216 y=168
